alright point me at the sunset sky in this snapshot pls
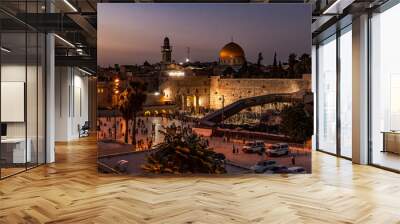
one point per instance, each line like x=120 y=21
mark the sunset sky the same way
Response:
x=131 y=33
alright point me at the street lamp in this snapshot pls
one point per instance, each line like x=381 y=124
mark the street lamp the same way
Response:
x=222 y=98
x=116 y=92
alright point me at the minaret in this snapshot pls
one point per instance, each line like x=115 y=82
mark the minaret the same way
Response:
x=188 y=55
x=275 y=64
x=166 y=52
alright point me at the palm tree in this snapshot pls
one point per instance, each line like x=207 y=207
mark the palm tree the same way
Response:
x=296 y=122
x=292 y=61
x=305 y=61
x=130 y=103
x=125 y=110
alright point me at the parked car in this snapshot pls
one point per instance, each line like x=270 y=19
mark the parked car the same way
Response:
x=277 y=169
x=296 y=169
x=254 y=147
x=263 y=166
x=278 y=149
x=122 y=166
x=219 y=156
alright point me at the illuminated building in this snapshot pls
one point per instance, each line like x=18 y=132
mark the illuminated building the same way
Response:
x=232 y=55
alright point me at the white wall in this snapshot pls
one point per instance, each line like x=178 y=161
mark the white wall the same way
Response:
x=10 y=73
x=71 y=102
x=16 y=73
x=33 y=126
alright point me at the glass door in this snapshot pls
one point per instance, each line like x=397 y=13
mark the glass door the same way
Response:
x=14 y=153
x=22 y=92
x=385 y=89
x=345 y=93
x=326 y=101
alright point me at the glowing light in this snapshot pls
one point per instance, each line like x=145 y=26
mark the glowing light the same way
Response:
x=84 y=71
x=337 y=7
x=176 y=73
x=70 y=5
x=156 y=93
x=167 y=92
x=64 y=40
x=5 y=50
x=187 y=60
x=79 y=51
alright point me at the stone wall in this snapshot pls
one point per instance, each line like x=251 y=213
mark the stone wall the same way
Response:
x=183 y=89
x=209 y=91
x=235 y=89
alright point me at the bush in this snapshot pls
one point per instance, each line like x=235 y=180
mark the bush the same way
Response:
x=296 y=123
x=184 y=153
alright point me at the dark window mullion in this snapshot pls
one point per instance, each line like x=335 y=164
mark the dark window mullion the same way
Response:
x=26 y=87
x=316 y=97
x=369 y=96
x=37 y=91
x=0 y=93
x=338 y=98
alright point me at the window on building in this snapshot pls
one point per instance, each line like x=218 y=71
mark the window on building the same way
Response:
x=385 y=89
x=345 y=58
x=327 y=127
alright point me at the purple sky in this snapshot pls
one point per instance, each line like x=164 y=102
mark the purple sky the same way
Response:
x=132 y=33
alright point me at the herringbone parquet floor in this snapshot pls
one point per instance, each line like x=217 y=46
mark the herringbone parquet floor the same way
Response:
x=71 y=191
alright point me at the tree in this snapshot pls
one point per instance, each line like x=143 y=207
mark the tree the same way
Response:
x=146 y=64
x=292 y=62
x=228 y=71
x=244 y=69
x=184 y=153
x=298 y=69
x=130 y=103
x=116 y=67
x=296 y=122
x=305 y=63
x=259 y=59
x=125 y=109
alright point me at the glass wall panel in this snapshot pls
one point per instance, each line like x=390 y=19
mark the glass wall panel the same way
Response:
x=41 y=98
x=14 y=153
x=31 y=97
x=327 y=95
x=22 y=88
x=345 y=50
x=385 y=89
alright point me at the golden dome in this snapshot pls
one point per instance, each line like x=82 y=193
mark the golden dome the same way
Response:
x=231 y=50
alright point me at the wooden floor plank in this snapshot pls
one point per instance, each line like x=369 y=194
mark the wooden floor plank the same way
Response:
x=71 y=191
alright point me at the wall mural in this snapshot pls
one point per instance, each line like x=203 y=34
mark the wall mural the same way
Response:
x=204 y=89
